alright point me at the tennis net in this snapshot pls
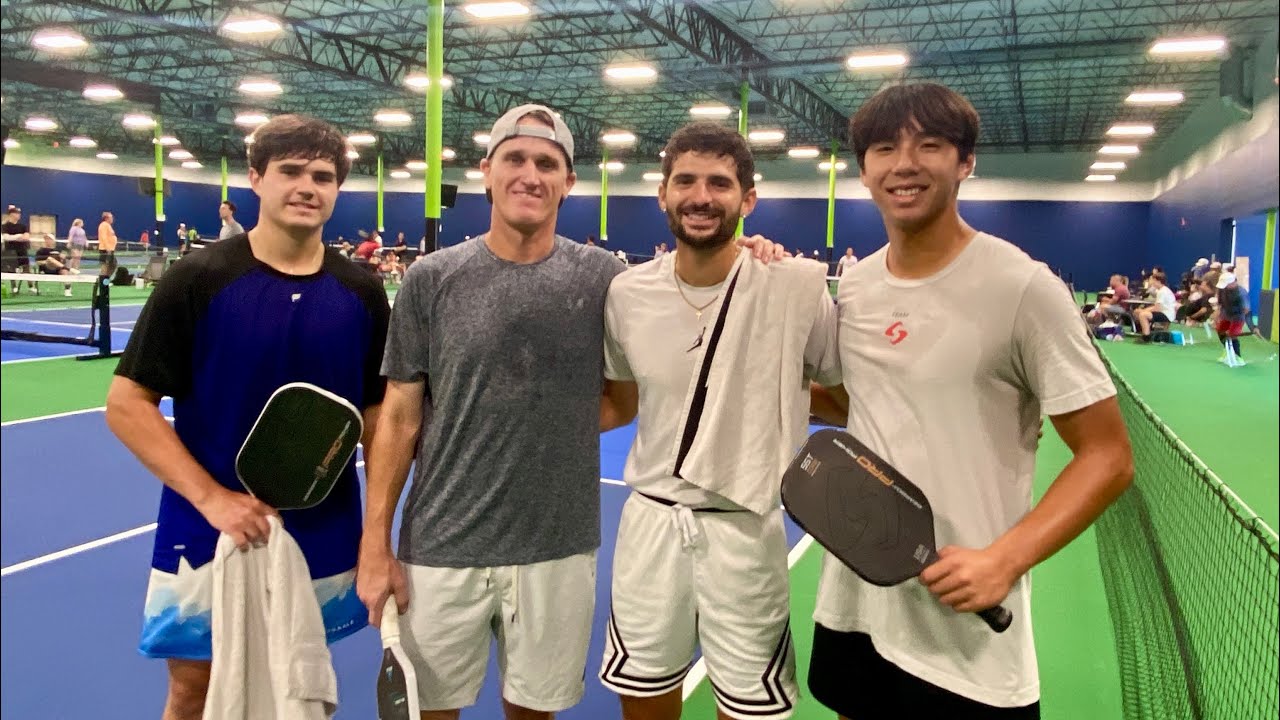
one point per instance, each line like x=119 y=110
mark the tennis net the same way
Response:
x=68 y=309
x=1193 y=583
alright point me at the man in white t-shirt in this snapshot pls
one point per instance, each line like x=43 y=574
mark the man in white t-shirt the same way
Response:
x=847 y=261
x=953 y=343
x=693 y=567
x=1165 y=309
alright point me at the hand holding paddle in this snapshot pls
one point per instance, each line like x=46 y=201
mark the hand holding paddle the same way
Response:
x=865 y=513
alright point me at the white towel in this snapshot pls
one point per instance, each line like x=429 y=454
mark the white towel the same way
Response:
x=756 y=406
x=270 y=659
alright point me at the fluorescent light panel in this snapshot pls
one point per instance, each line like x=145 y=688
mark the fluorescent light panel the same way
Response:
x=631 y=72
x=474 y=175
x=803 y=153
x=40 y=124
x=840 y=165
x=1155 y=97
x=715 y=111
x=261 y=87
x=1189 y=46
x=82 y=142
x=393 y=117
x=252 y=26
x=618 y=137
x=1119 y=150
x=872 y=61
x=138 y=121
x=107 y=156
x=251 y=119
x=1131 y=130
x=495 y=10
x=1100 y=178
x=102 y=93
x=766 y=136
x=58 y=40
x=1104 y=165
x=652 y=177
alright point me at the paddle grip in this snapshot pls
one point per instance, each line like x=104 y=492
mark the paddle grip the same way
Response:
x=997 y=617
x=390 y=626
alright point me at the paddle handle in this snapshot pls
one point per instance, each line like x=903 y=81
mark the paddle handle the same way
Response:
x=998 y=618
x=390 y=626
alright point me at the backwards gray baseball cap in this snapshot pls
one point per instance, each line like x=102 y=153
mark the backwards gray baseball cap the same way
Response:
x=508 y=127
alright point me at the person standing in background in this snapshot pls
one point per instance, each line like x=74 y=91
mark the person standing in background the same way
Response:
x=230 y=228
x=847 y=261
x=77 y=241
x=17 y=245
x=106 y=244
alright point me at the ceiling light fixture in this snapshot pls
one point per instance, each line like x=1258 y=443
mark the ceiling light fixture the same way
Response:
x=102 y=93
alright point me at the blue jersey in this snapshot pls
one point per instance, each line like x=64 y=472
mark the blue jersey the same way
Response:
x=221 y=332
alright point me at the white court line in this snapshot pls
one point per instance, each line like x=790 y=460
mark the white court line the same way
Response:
x=93 y=544
x=82 y=326
x=84 y=547
x=39 y=359
x=62 y=415
x=52 y=417
x=699 y=670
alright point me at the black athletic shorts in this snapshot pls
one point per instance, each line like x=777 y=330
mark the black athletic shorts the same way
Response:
x=847 y=675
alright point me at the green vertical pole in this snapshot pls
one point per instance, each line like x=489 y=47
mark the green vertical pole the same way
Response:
x=604 y=196
x=1269 y=252
x=1268 y=273
x=831 y=200
x=380 y=182
x=434 y=124
x=744 y=95
x=159 y=186
x=224 y=178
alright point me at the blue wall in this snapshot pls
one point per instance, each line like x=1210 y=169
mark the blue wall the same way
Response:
x=1088 y=240
x=1251 y=237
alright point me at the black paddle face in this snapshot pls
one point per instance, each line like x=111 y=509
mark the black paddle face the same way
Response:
x=299 y=447
x=860 y=508
x=393 y=689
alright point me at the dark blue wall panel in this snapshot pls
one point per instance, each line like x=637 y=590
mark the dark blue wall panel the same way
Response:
x=1089 y=240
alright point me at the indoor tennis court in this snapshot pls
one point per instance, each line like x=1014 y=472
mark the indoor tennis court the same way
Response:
x=1115 y=139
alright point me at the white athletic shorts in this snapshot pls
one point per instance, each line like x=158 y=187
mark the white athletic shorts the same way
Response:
x=684 y=578
x=540 y=615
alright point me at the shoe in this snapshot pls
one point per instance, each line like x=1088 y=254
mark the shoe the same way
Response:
x=66 y=292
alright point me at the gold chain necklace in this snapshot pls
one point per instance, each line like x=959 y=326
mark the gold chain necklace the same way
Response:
x=698 y=310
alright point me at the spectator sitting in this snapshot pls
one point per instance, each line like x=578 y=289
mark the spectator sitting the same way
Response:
x=1199 y=306
x=345 y=248
x=366 y=249
x=1215 y=272
x=1201 y=267
x=50 y=262
x=390 y=267
x=1163 y=311
x=400 y=245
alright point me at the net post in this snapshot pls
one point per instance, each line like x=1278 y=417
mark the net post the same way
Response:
x=102 y=305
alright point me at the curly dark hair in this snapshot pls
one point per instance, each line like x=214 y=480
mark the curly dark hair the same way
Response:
x=709 y=137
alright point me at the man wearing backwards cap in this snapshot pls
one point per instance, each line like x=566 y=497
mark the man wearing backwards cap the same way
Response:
x=502 y=338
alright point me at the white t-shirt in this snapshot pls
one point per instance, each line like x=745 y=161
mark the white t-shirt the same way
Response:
x=1166 y=302
x=948 y=377
x=650 y=333
x=846 y=262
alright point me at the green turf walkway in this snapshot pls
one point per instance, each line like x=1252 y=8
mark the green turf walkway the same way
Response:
x=81 y=384
x=1227 y=416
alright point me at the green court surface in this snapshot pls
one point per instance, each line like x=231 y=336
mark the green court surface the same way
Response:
x=1227 y=416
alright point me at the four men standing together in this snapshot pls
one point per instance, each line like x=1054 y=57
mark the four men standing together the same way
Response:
x=493 y=377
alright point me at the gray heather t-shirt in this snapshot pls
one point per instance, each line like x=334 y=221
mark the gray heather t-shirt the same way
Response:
x=508 y=468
